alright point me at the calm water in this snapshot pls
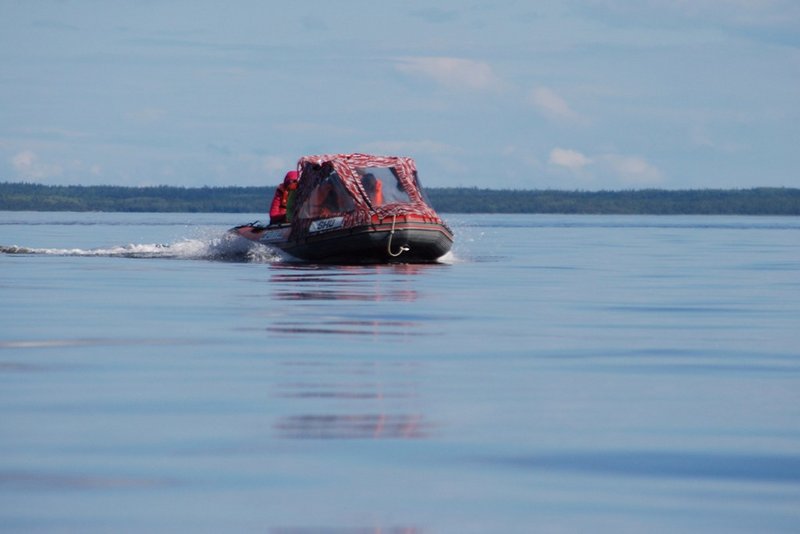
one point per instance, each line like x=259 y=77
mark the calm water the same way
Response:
x=557 y=373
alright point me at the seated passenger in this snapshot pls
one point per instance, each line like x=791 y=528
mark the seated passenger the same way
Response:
x=324 y=200
x=277 y=211
x=374 y=189
x=331 y=203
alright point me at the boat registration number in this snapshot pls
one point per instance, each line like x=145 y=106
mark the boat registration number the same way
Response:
x=326 y=224
x=274 y=235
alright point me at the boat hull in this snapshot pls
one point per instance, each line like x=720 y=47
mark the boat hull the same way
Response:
x=406 y=242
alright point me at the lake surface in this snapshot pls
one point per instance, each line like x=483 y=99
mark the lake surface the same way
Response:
x=554 y=374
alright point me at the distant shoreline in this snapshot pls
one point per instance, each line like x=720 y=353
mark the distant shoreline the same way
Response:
x=15 y=196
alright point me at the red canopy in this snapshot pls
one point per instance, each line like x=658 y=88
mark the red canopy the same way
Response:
x=402 y=194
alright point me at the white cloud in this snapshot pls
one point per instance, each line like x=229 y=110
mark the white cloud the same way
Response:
x=452 y=72
x=633 y=170
x=553 y=106
x=28 y=166
x=570 y=159
x=623 y=169
x=24 y=160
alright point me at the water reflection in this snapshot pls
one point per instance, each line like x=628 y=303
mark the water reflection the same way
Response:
x=334 y=397
x=387 y=284
x=363 y=426
x=370 y=283
x=355 y=400
x=338 y=293
x=339 y=390
x=334 y=325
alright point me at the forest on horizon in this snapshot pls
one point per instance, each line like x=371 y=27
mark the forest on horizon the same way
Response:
x=19 y=196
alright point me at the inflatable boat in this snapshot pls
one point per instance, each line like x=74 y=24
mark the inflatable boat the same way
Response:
x=356 y=208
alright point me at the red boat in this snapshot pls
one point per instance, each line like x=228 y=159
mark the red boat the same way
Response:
x=356 y=208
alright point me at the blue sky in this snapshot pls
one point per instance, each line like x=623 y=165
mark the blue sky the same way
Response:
x=596 y=94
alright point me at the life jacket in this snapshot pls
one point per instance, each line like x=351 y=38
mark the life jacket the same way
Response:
x=373 y=188
x=280 y=202
x=288 y=200
x=377 y=197
x=323 y=201
x=277 y=210
x=286 y=192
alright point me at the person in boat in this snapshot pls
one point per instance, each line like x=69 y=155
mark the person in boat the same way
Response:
x=325 y=199
x=278 y=212
x=374 y=189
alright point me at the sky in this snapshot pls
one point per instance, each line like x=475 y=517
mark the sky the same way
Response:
x=573 y=95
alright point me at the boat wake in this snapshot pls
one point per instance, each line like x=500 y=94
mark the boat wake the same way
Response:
x=225 y=248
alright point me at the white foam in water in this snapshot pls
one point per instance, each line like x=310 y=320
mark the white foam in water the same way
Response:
x=225 y=248
x=449 y=258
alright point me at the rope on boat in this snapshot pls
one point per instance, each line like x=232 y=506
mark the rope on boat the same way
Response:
x=403 y=248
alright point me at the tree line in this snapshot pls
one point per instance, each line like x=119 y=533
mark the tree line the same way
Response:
x=756 y=201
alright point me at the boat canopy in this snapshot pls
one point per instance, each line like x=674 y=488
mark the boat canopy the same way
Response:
x=359 y=188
